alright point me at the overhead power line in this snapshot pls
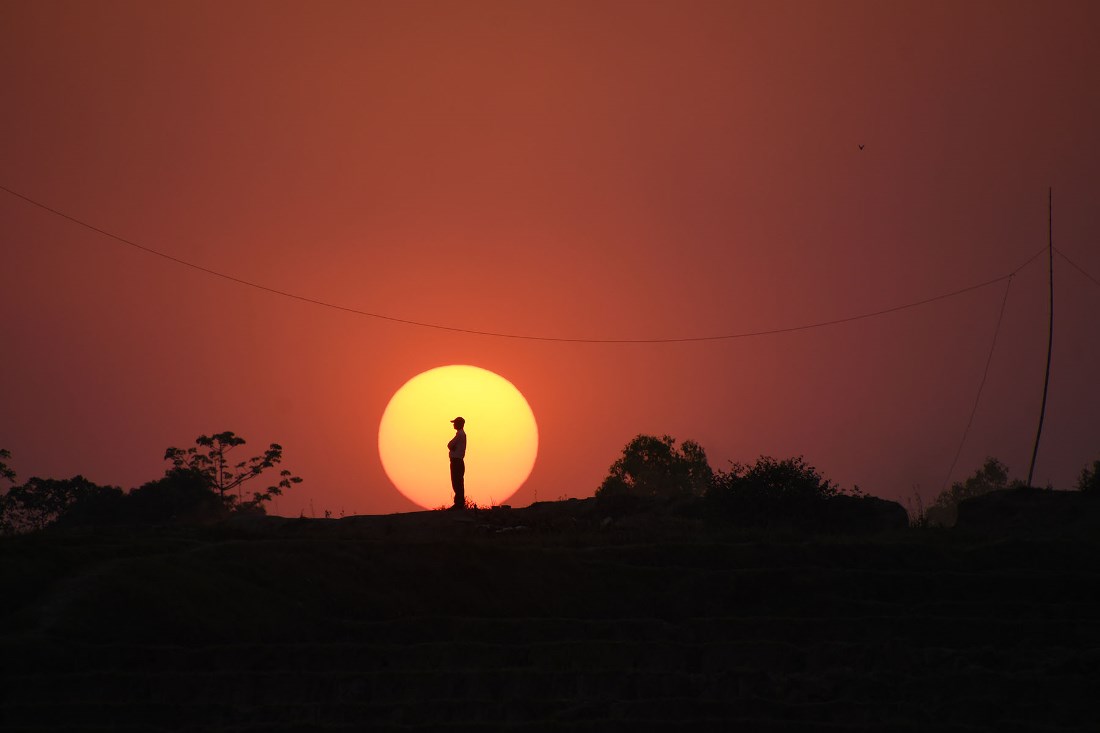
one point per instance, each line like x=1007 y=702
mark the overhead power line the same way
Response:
x=518 y=336
x=981 y=385
x=1080 y=269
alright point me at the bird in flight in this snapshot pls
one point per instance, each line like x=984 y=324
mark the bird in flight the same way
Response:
x=861 y=146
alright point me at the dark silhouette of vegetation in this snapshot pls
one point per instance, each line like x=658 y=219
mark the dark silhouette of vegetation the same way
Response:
x=198 y=487
x=42 y=501
x=772 y=491
x=914 y=507
x=992 y=476
x=654 y=468
x=182 y=496
x=790 y=479
x=654 y=477
x=6 y=473
x=211 y=463
x=1090 y=479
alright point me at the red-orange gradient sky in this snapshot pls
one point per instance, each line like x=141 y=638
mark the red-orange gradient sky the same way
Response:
x=575 y=169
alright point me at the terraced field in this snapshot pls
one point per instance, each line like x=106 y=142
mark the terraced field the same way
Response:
x=456 y=623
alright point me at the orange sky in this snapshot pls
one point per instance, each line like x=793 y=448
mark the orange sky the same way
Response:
x=574 y=169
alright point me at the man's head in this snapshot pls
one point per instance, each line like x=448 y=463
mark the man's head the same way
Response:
x=458 y=422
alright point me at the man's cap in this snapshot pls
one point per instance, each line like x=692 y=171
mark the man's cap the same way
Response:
x=459 y=421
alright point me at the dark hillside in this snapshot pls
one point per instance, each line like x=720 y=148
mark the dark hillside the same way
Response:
x=546 y=618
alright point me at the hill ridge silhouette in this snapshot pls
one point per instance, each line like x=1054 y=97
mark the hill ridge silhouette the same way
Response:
x=650 y=621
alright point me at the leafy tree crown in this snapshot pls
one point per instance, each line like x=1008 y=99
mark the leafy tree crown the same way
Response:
x=1089 y=480
x=992 y=476
x=655 y=467
x=6 y=472
x=209 y=458
x=773 y=480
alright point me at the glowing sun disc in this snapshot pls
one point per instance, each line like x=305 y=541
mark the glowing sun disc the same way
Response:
x=502 y=437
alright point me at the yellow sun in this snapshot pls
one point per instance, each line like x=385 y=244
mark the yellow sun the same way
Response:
x=502 y=438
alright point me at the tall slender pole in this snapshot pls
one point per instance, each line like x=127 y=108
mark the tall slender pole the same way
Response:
x=1050 y=329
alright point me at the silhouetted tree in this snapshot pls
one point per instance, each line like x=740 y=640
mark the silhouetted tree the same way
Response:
x=182 y=495
x=1090 y=478
x=654 y=467
x=208 y=459
x=6 y=473
x=992 y=476
x=770 y=490
x=42 y=501
x=103 y=505
x=790 y=478
x=198 y=487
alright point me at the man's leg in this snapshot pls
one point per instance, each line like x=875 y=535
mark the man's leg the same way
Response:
x=458 y=482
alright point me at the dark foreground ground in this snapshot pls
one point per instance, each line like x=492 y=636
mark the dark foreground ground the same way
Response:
x=534 y=620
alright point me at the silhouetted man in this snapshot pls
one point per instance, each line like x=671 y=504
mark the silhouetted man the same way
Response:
x=457 y=449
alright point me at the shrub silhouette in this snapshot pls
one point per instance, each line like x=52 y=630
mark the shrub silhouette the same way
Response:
x=652 y=468
x=198 y=487
x=1090 y=479
x=42 y=501
x=181 y=496
x=992 y=476
x=6 y=473
x=770 y=490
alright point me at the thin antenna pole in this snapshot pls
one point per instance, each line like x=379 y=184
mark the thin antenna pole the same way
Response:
x=1050 y=329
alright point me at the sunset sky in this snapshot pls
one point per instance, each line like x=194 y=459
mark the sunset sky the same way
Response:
x=577 y=170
